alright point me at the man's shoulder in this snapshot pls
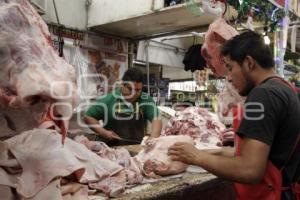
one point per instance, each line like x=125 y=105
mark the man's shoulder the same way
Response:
x=271 y=86
x=108 y=98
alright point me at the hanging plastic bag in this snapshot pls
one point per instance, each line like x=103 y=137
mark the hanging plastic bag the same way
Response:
x=89 y=81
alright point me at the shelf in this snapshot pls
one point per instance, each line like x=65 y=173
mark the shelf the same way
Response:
x=150 y=23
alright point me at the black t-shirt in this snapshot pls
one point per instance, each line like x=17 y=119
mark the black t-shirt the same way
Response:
x=277 y=125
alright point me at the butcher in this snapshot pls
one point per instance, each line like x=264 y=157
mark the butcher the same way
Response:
x=265 y=163
x=125 y=113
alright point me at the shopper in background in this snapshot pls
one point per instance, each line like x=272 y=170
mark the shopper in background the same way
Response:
x=125 y=112
x=266 y=157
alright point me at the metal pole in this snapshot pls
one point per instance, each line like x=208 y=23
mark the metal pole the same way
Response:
x=165 y=44
x=56 y=13
x=148 y=67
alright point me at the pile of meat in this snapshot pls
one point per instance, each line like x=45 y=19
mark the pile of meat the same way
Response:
x=152 y=161
x=33 y=161
x=120 y=156
x=33 y=79
x=36 y=164
x=203 y=126
x=45 y=159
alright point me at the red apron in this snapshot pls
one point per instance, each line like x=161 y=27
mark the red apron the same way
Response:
x=270 y=186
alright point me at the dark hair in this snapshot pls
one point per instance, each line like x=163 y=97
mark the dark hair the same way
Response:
x=134 y=75
x=249 y=43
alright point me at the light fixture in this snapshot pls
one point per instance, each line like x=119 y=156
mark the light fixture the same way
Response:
x=139 y=62
x=267 y=39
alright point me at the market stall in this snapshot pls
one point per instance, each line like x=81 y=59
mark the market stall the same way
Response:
x=144 y=99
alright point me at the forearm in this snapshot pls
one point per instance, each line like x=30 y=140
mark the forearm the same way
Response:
x=249 y=167
x=94 y=125
x=230 y=168
x=156 y=128
x=224 y=151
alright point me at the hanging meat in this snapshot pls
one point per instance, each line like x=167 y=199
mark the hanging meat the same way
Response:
x=228 y=98
x=218 y=32
x=33 y=78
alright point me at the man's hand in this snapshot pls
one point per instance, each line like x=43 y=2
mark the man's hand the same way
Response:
x=111 y=135
x=184 y=152
x=95 y=126
x=156 y=128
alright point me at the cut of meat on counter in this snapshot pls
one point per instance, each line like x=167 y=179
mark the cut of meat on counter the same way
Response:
x=41 y=158
x=38 y=157
x=203 y=126
x=119 y=155
x=154 y=159
x=32 y=75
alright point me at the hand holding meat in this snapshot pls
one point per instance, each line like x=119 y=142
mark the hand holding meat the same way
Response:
x=184 y=152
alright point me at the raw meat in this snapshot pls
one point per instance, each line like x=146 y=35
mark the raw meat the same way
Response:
x=12 y=120
x=154 y=159
x=228 y=98
x=118 y=155
x=6 y=193
x=31 y=71
x=70 y=188
x=50 y=192
x=218 y=32
x=74 y=191
x=43 y=157
x=203 y=126
x=112 y=186
x=133 y=172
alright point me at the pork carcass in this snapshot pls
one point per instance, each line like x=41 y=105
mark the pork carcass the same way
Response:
x=31 y=71
x=43 y=158
x=218 y=32
x=203 y=126
x=117 y=155
x=154 y=160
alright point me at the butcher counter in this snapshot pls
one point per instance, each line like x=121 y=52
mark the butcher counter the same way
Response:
x=190 y=185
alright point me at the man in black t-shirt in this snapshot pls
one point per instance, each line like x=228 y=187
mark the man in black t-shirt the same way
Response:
x=268 y=131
